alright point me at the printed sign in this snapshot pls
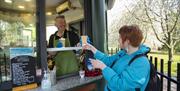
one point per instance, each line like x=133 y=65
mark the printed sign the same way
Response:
x=22 y=66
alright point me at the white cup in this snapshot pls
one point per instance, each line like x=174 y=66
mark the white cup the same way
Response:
x=84 y=39
x=53 y=76
x=82 y=73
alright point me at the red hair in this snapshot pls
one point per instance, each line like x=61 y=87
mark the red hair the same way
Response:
x=131 y=33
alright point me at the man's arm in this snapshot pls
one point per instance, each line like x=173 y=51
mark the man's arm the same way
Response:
x=51 y=39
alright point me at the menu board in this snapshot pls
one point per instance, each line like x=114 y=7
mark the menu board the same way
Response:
x=23 y=70
x=22 y=67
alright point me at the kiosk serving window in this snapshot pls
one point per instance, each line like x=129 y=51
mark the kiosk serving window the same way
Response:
x=63 y=31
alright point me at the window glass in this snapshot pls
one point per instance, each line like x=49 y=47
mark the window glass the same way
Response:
x=17 y=30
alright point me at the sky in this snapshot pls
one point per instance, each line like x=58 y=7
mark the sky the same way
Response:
x=119 y=6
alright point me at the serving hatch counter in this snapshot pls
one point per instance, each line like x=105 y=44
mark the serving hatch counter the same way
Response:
x=70 y=83
x=63 y=49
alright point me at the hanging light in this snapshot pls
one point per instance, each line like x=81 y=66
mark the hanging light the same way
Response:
x=8 y=1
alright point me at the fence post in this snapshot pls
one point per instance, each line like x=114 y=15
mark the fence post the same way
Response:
x=155 y=60
x=162 y=72
x=5 y=63
x=0 y=71
x=108 y=51
x=111 y=51
x=169 y=75
x=116 y=50
x=150 y=59
x=178 y=76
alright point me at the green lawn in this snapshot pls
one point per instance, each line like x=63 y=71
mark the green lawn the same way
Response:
x=176 y=60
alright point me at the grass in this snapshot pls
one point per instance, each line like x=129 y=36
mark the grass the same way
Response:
x=176 y=59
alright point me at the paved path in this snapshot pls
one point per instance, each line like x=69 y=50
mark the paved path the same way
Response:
x=173 y=85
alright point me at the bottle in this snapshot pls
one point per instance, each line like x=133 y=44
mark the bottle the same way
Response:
x=53 y=76
x=46 y=83
x=89 y=65
x=89 y=55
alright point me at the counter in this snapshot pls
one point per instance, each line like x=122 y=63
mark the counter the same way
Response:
x=70 y=83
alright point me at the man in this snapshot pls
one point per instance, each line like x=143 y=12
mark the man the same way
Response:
x=60 y=23
x=65 y=61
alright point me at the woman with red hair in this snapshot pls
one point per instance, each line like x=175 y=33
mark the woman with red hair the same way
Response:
x=121 y=76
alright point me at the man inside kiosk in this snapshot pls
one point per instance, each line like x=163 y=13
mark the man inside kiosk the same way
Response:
x=65 y=61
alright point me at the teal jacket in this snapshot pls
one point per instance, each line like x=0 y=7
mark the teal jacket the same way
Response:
x=124 y=77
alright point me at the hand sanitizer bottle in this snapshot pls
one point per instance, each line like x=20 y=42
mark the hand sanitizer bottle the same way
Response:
x=46 y=83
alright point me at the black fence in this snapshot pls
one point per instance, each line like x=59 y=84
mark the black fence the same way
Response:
x=5 y=76
x=164 y=76
x=4 y=68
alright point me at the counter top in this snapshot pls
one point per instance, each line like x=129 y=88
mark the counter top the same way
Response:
x=63 y=49
x=70 y=82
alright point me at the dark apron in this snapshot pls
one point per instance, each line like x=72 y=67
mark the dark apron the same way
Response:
x=65 y=61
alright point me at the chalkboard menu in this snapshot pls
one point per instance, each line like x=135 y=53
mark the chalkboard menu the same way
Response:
x=23 y=70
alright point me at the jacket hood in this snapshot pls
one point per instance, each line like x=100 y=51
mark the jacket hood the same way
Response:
x=143 y=50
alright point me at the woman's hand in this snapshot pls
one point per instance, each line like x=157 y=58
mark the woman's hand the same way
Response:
x=97 y=64
x=78 y=44
x=89 y=47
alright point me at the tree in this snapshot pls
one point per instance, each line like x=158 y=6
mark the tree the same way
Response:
x=120 y=15
x=7 y=29
x=163 y=18
x=3 y=27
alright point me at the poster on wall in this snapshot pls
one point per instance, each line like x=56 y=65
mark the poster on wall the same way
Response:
x=21 y=51
x=22 y=68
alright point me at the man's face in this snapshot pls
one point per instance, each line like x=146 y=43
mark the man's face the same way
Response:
x=60 y=24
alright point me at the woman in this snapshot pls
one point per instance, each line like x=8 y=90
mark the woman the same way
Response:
x=119 y=75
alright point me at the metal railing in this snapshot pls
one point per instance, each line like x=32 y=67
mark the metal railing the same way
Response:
x=4 y=68
x=5 y=77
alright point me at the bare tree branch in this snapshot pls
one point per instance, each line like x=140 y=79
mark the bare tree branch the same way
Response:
x=163 y=29
x=136 y=16
x=166 y=21
x=154 y=19
x=154 y=12
x=162 y=19
x=175 y=23
x=151 y=22
x=175 y=42
x=144 y=40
